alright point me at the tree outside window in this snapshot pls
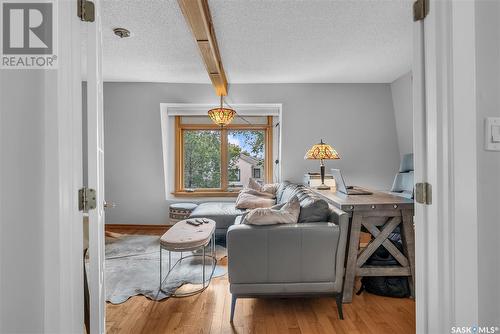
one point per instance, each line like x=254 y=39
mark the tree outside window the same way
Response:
x=203 y=166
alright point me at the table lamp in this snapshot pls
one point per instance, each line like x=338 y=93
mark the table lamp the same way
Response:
x=322 y=152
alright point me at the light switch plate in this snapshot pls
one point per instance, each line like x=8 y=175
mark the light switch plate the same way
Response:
x=495 y=133
x=492 y=133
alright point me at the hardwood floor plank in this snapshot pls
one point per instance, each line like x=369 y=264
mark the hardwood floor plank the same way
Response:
x=208 y=312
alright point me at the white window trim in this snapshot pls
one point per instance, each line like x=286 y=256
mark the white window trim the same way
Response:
x=168 y=111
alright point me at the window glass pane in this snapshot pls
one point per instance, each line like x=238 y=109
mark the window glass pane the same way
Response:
x=202 y=159
x=246 y=156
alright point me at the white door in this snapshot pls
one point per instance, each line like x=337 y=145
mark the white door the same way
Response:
x=444 y=133
x=420 y=166
x=429 y=317
x=96 y=171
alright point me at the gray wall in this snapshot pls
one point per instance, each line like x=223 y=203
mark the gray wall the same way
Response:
x=488 y=163
x=357 y=119
x=22 y=189
x=402 y=100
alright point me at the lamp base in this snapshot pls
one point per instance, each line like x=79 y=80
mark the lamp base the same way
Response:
x=323 y=187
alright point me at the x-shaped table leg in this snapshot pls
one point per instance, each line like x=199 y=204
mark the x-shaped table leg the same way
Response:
x=372 y=247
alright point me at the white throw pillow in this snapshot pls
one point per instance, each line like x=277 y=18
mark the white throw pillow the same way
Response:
x=269 y=188
x=288 y=214
x=251 y=199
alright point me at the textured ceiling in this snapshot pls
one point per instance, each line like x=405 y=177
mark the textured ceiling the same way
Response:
x=161 y=47
x=285 y=41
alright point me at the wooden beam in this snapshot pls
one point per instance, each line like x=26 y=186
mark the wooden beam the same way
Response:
x=199 y=20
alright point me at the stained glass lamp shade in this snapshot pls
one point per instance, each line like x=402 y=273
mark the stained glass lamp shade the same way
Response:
x=221 y=116
x=322 y=152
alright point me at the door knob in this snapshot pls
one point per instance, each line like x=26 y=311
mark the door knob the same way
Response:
x=109 y=205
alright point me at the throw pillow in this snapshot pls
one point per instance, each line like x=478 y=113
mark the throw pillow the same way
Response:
x=251 y=199
x=257 y=193
x=253 y=184
x=269 y=188
x=288 y=214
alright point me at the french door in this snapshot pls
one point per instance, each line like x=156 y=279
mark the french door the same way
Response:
x=444 y=123
x=95 y=168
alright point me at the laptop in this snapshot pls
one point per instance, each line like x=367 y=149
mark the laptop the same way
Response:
x=339 y=180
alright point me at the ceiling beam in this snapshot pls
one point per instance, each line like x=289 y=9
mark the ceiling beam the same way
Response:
x=199 y=20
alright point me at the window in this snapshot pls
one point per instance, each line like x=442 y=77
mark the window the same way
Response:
x=211 y=161
x=256 y=173
x=237 y=177
x=201 y=158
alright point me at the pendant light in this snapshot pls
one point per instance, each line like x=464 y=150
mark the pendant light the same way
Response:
x=221 y=116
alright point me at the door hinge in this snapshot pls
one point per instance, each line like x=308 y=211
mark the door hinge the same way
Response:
x=420 y=9
x=86 y=199
x=423 y=193
x=86 y=10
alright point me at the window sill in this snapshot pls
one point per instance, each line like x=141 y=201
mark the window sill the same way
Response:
x=205 y=193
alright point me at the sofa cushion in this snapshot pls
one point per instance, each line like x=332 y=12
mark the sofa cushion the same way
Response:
x=312 y=207
x=279 y=191
x=238 y=220
x=224 y=213
x=290 y=190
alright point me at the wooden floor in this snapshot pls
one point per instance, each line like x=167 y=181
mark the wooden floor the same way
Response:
x=208 y=312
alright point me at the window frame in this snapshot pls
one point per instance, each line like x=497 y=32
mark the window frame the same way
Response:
x=253 y=172
x=224 y=190
x=238 y=172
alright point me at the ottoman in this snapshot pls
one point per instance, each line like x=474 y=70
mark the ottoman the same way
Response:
x=184 y=237
x=180 y=211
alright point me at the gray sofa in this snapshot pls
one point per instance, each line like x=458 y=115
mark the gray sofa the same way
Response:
x=223 y=213
x=300 y=259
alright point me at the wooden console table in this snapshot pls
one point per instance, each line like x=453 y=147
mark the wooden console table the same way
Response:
x=380 y=213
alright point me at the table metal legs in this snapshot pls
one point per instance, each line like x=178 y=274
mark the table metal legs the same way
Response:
x=204 y=256
x=203 y=268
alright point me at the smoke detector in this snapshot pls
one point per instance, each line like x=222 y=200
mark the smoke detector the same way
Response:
x=121 y=32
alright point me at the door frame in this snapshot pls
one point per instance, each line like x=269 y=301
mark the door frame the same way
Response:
x=95 y=171
x=63 y=222
x=445 y=156
x=446 y=230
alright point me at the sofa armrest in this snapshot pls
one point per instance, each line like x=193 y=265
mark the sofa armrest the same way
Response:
x=287 y=253
x=341 y=219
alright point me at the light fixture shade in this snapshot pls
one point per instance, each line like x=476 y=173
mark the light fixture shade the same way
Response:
x=322 y=151
x=221 y=116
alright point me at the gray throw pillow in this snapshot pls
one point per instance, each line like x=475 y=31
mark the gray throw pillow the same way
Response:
x=313 y=209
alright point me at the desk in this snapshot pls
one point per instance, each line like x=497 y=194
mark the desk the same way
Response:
x=380 y=213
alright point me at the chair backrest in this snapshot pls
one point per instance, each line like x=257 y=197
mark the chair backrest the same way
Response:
x=406 y=164
x=403 y=182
